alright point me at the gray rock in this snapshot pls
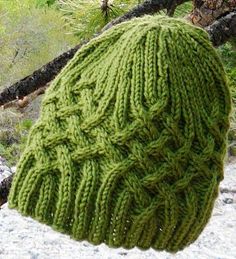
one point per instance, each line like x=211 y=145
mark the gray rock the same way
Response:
x=5 y=171
x=228 y=201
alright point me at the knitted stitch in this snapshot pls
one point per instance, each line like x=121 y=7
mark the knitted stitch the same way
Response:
x=129 y=146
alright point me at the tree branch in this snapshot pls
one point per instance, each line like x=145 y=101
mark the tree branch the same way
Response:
x=222 y=29
x=205 y=12
x=171 y=8
x=48 y=72
x=20 y=104
x=38 y=79
x=147 y=7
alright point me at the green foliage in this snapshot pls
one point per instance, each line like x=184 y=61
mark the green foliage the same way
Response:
x=183 y=9
x=13 y=134
x=29 y=38
x=85 y=17
x=233 y=43
x=228 y=56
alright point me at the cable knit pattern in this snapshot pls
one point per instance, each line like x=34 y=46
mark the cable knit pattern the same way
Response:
x=130 y=143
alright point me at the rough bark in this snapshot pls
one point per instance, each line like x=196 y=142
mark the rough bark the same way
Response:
x=223 y=29
x=205 y=12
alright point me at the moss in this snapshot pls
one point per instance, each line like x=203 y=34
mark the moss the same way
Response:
x=13 y=135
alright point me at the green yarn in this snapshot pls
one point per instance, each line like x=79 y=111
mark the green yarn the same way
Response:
x=129 y=146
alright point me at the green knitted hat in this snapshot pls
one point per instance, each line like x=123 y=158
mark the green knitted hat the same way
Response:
x=130 y=143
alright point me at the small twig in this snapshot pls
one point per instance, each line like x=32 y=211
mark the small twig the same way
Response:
x=104 y=7
x=25 y=101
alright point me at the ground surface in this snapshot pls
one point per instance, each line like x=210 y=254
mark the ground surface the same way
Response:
x=24 y=238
